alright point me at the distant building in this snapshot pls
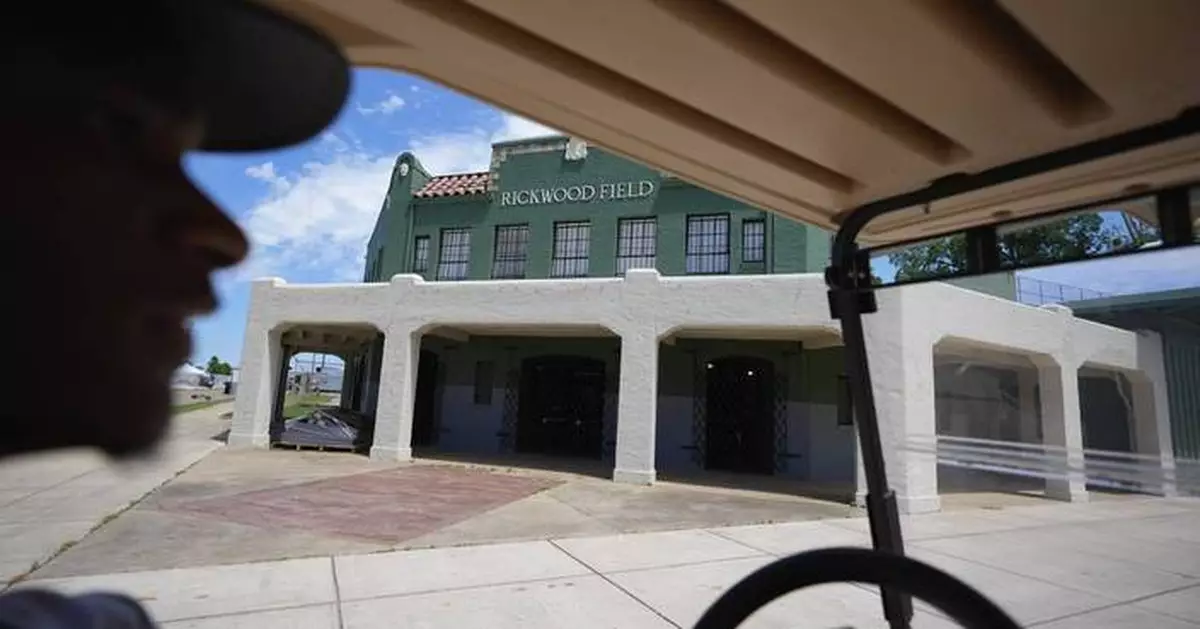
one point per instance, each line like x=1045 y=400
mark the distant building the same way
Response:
x=326 y=379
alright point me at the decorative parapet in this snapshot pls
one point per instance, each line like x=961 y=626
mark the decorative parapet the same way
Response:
x=502 y=150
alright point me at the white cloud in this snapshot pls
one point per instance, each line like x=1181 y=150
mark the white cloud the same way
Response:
x=386 y=107
x=266 y=172
x=515 y=127
x=467 y=151
x=1140 y=273
x=313 y=223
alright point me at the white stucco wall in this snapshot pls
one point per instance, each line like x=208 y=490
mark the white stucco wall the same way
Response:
x=643 y=308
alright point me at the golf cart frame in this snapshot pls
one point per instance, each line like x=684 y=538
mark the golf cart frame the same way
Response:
x=852 y=295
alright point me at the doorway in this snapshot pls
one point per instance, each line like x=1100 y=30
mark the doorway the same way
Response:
x=424 y=428
x=740 y=424
x=1103 y=411
x=561 y=406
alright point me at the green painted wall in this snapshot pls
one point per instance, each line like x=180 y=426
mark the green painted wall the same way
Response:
x=822 y=368
x=792 y=247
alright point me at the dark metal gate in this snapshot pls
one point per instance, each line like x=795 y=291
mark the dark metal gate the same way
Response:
x=561 y=410
x=740 y=414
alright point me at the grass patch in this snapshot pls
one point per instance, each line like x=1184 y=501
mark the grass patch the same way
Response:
x=300 y=405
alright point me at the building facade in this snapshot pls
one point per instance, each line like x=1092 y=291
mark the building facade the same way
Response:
x=550 y=208
x=570 y=303
x=559 y=214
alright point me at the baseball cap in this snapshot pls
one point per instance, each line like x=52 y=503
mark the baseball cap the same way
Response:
x=259 y=79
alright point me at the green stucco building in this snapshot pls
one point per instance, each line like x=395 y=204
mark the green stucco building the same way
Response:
x=551 y=208
x=556 y=208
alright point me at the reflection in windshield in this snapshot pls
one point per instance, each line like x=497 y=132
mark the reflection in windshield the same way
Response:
x=1095 y=232
x=1084 y=234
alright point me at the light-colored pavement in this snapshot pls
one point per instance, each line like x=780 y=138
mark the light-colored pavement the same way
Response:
x=239 y=506
x=1119 y=563
x=48 y=502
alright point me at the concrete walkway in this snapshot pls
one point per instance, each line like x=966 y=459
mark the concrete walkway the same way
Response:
x=1116 y=563
x=49 y=502
x=238 y=506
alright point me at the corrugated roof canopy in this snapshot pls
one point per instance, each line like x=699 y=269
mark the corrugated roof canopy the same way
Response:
x=812 y=107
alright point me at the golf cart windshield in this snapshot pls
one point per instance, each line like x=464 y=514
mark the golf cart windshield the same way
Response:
x=938 y=140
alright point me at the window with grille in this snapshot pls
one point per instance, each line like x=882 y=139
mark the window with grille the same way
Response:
x=753 y=240
x=454 y=260
x=572 y=243
x=636 y=244
x=707 y=246
x=420 y=254
x=511 y=251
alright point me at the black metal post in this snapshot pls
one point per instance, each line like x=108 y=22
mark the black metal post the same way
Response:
x=849 y=298
x=281 y=384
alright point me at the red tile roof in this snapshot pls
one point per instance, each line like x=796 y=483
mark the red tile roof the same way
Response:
x=455 y=185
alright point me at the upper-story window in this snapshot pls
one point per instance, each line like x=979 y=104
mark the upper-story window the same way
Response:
x=754 y=247
x=511 y=251
x=572 y=245
x=707 y=249
x=454 y=260
x=636 y=244
x=420 y=262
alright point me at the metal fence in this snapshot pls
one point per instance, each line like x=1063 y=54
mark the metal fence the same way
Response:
x=1037 y=292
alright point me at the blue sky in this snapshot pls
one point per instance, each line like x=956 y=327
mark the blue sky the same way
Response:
x=309 y=209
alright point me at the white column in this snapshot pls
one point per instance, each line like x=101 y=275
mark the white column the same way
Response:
x=1027 y=380
x=1062 y=428
x=637 y=407
x=262 y=357
x=1152 y=414
x=397 y=394
x=900 y=352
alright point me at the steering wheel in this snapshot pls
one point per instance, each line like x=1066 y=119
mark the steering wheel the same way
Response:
x=959 y=601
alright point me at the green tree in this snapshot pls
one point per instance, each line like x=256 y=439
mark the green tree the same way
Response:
x=218 y=367
x=1080 y=236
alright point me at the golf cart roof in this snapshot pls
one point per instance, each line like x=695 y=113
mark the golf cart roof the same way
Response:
x=814 y=108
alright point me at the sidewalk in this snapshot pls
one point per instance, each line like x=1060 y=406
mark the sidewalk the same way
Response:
x=1116 y=563
x=50 y=501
